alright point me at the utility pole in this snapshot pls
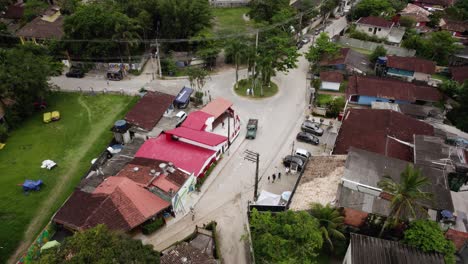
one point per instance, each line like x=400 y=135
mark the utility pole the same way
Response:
x=254 y=157
x=159 y=59
x=292 y=150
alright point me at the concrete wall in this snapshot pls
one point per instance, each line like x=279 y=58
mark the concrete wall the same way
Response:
x=373 y=31
x=422 y=76
x=367 y=45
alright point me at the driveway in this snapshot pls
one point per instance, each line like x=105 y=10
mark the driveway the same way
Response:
x=225 y=194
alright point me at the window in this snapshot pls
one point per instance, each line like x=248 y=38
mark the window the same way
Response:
x=380 y=29
x=370 y=29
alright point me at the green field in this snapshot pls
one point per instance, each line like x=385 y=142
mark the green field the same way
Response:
x=245 y=84
x=229 y=20
x=81 y=135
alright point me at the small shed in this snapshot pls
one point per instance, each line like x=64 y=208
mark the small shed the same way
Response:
x=331 y=80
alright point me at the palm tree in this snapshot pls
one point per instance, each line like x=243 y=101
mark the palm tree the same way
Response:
x=330 y=221
x=406 y=195
x=237 y=48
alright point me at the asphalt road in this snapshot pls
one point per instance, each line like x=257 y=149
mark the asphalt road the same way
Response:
x=225 y=195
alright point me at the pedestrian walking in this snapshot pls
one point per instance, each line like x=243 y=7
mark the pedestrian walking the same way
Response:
x=274 y=177
x=279 y=176
x=268 y=178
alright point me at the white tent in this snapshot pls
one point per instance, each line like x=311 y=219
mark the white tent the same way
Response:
x=268 y=198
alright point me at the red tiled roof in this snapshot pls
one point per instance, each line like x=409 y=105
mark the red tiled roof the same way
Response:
x=457 y=237
x=353 y=217
x=149 y=109
x=185 y=156
x=217 y=107
x=206 y=138
x=375 y=21
x=411 y=64
x=331 y=76
x=369 y=129
x=459 y=74
x=41 y=29
x=196 y=120
x=14 y=11
x=455 y=25
x=417 y=17
x=340 y=59
x=391 y=89
x=136 y=204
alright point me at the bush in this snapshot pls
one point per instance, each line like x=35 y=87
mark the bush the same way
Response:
x=168 y=67
x=3 y=133
x=335 y=107
x=199 y=98
x=150 y=227
x=379 y=51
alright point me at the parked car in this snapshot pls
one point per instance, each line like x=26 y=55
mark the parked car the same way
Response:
x=311 y=127
x=293 y=160
x=303 y=153
x=181 y=116
x=307 y=138
x=75 y=73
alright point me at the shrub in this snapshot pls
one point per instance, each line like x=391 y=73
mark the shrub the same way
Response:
x=150 y=227
x=335 y=107
x=198 y=97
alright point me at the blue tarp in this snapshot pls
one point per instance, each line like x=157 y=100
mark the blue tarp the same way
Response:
x=184 y=95
x=30 y=185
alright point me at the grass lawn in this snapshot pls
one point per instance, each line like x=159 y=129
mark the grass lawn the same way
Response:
x=81 y=135
x=230 y=20
x=440 y=77
x=323 y=99
x=246 y=84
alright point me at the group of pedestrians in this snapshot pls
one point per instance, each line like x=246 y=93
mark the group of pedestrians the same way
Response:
x=274 y=177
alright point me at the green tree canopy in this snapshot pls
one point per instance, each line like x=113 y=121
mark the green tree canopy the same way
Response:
x=24 y=73
x=330 y=222
x=33 y=8
x=99 y=245
x=371 y=8
x=286 y=237
x=459 y=113
x=323 y=47
x=406 y=195
x=427 y=236
x=264 y=10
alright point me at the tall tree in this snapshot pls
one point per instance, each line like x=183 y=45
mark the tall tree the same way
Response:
x=286 y=237
x=264 y=10
x=330 y=222
x=99 y=245
x=379 y=51
x=323 y=47
x=24 y=74
x=440 y=46
x=237 y=49
x=406 y=195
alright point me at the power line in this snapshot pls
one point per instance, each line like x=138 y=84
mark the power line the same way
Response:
x=180 y=40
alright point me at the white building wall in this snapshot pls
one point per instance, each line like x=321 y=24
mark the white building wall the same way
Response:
x=369 y=30
x=361 y=187
x=347 y=259
x=422 y=76
x=181 y=202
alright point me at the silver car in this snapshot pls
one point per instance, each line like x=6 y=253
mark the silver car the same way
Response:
x=311 y=127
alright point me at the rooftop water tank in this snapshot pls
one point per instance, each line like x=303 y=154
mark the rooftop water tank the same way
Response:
x=120 y=124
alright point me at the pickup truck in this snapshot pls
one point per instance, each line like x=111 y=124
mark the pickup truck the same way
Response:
x=252 y=129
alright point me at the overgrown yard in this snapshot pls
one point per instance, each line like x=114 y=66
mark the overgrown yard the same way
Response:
x=80 y=135
x=230 y=20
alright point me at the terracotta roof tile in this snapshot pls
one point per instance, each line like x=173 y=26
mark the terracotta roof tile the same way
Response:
x=331 y=76
x=390 y=88
x=217 y=107
x=149 y=109
x=375 y=21
x=369 y=129
x=340 y=59
x=457 y=237
x=455 y=26
x=459 y=74
x=411 y=64
x=353 y=217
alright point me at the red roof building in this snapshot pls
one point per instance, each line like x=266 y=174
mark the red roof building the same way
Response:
x=459 y=74
x=149 y=110
x=185 y=156
x=411 y=64
x=118 y=202
x=381 y=131
x=198 y=120
x=202 y=137
x=217 y=107
x=392 y=89
x=331 y=76
x=375 y=21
